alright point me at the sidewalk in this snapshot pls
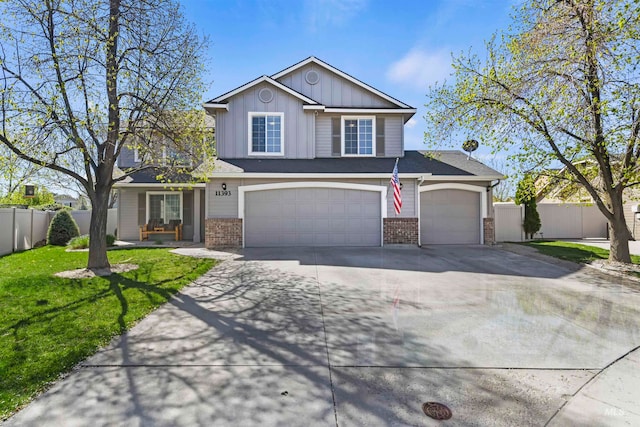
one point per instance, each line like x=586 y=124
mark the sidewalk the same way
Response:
x=611 y=398
x=634 y=246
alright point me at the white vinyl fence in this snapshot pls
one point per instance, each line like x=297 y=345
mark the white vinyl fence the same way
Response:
x=21 y=229
x=559 y=221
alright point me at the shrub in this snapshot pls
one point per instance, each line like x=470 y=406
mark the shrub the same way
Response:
x=80 y=242
x=62 y=229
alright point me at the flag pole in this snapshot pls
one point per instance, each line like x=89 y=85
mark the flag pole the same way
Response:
x=395 y=168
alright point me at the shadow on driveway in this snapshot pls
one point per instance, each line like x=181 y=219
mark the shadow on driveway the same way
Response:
x=259 y=343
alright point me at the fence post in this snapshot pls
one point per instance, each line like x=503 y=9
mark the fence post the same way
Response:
x=13 y=231
x=31 y=231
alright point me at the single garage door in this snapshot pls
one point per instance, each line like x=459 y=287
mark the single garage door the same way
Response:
x=312 y=217
x=449 y=217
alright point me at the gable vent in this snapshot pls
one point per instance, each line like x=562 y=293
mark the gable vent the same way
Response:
x=265 y=95
x=312 y=77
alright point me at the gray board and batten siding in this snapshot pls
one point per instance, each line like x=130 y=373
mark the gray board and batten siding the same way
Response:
x=332 y=90
x=389 y=135
x=232 y=126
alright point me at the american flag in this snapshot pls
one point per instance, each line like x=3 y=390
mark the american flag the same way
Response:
x=397 y=196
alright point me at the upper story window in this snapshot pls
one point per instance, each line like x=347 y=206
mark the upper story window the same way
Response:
x=358 y=136
x=265 y=134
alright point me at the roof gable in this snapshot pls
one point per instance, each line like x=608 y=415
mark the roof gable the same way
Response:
x=342 y=74
x=223 y=98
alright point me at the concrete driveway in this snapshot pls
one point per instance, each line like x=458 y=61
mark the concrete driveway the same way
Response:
x=356 y=337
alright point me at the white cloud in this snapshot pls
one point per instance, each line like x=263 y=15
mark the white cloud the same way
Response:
x=411 y=123
x=328 y=13
x=420 y=68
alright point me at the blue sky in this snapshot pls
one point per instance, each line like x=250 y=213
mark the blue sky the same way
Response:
x=398 y=47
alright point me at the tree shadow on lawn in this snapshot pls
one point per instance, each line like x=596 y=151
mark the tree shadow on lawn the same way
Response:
x=50 y=341
x=250 y=345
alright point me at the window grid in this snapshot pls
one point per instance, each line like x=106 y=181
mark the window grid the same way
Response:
x=358 y=136
x=164 y=207
x=266 y=134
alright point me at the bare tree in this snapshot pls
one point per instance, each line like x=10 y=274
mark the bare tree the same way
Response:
x=81 y=79
x=563 y=87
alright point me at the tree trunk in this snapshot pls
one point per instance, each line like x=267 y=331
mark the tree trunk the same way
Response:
x=619 y=235
x=98 y=230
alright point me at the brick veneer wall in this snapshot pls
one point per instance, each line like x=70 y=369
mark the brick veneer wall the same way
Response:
x=223 y=233
x=401 y=230
x=489 y=231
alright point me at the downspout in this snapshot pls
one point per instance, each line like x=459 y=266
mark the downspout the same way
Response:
x=420 y=181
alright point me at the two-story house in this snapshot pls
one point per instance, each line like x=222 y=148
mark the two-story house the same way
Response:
x=305 y=158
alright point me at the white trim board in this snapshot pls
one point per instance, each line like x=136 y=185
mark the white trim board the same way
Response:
x=215 y=106
x=465 y=187
x=287 y=185
x=255 y=82
x=281 y=175
x=159 y=185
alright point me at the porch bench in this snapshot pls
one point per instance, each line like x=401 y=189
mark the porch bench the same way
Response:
x=146 y=231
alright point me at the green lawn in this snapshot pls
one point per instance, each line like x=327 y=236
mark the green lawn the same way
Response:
x=48 y=324
x=573 y=251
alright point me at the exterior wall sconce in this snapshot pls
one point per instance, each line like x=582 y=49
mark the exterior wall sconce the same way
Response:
x=224 y=186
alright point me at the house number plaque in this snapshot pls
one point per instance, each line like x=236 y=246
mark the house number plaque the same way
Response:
x=223 y=192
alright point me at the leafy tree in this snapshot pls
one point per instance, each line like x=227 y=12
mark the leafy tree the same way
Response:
x=62 y=229
x=526 y=195
x=15 y=172
x=42 y=196
x=562 y=85
x=81 y=79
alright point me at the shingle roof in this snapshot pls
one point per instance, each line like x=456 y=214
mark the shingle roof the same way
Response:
x=150 y=176
x=438 y=163
x=445 y=163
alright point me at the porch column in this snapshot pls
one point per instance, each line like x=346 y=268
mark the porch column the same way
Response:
x=196 y=215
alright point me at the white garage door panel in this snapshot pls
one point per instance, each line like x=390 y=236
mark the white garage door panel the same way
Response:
x=450 y=217
x=312 y=217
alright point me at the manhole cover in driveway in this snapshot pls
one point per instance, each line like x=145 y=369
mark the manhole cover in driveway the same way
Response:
x=436 y=410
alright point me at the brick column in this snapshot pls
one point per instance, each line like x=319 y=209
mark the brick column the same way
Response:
x=223 y=233
x=400 y=230
x=489 y=231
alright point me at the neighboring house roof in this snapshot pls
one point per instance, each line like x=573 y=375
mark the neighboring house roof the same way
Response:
x=313 y=59
x=441 y=163
x=219 y=101
x=65 y=197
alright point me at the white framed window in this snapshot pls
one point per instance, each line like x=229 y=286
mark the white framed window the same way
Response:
x=358 y=135
x=266 y=136
x=164 y=206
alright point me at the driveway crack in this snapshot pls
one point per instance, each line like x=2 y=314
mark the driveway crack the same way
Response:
x=326 y=340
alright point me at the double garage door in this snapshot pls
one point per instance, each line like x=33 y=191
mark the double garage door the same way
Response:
x=450 y=217
x=312 y=217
